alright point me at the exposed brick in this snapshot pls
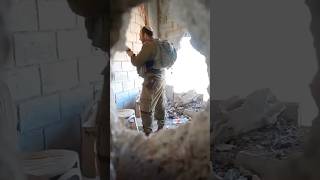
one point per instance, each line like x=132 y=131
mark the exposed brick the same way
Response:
x=39 y=112
x=127 y=66
x=31 y=141
x=31 y=48
x=120 y=56
x=138 y=83
x=64 y=135
x=129 y=44
x=135 y=28
x=133 y=75
x=24 y=16
x=73 y=44
x=55 y=15
x=90 y=68
x=59 y=76
x=23 y=83
x=117 y=87
x=74 y=101
x=135 y=10
x=131 y=36
x=139 y=20
x=128 y=85
x=120 y=76
x=116 y=66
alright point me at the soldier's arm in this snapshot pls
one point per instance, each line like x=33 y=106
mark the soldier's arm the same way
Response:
x=144 y=55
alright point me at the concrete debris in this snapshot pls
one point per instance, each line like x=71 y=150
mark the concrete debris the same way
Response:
x=271 y=136
x=185 y=107
x=188 y=97
x=236 y=116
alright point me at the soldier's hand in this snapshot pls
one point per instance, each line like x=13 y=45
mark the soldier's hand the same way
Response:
x=129 y=52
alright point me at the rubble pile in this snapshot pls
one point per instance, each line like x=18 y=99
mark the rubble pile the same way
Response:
x=183 y=108
x=275 y=136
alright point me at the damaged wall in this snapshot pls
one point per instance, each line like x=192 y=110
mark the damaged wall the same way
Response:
x=126 y=82
x=264 y=44
x=169 y=29
x=52 y=73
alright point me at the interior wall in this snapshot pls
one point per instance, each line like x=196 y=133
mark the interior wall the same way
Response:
x=261 y=44
x=126 y=82
x=53 y=72
x=169 y=29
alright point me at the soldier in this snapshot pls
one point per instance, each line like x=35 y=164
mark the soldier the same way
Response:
x=152 y=102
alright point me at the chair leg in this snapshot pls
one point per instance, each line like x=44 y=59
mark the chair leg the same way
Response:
x=70 y=173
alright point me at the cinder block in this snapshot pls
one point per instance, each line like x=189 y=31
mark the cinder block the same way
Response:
x=116 y=66
x=120 y=76
x=139 y=20
x=24 y=16
x=117 y=87
x=135 y=28
x=120 y=56
x=23 y=82
x=138 y=83
x=133 y=75
x=59 y=76
x=128 y=85
x=55 y=15
x=64 y=135
x=32 y=48
x=131 y=36
x=31 y=141
x=90 y=68
x=127 y=66
x=129 y=44
x=73 y=44
x=39 y=112
x=74 y=101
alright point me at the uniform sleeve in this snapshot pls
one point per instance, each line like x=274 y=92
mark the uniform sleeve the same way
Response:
x=144 y=55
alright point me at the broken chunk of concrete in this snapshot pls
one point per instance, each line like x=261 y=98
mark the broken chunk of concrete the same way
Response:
x=259 y=109
x=188 y=97
x=231 y=103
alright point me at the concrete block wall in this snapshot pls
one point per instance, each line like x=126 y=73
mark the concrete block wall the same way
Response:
x=126 y=82
x=169 y=29
x=53 y=72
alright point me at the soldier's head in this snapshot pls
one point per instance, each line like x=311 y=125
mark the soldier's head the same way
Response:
x=146 y=34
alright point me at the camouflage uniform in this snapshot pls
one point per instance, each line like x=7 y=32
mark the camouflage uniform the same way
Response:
x=152 y=99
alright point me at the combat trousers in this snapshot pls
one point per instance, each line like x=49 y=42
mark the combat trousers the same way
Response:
x=152 y=102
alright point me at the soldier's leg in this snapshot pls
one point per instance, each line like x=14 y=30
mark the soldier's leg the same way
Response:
x=159 y=113
x=146 y=109
x=152 y=90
